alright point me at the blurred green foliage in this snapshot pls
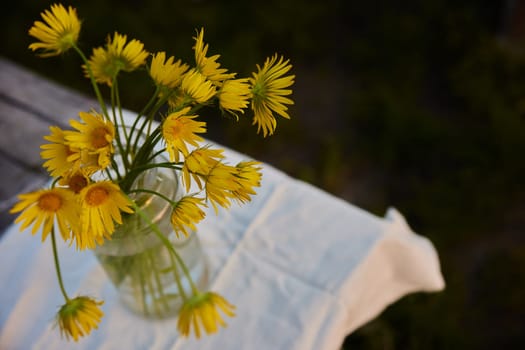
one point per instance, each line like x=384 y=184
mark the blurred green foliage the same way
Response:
x=419 y=105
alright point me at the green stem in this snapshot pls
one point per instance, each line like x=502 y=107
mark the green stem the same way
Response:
x=140 y=130
x=154 y=155
x=168 y=245
x=146 y=148
x=159 y=165
x=149 y=119
x=121 y=149
x=143 y=291
x=143 y=190
x=177 y=278
x=93 y=81
x=108 y=173
x=146 y=273
x=158 y=282
x=137 y=119
x=140 y=162
x=132 y=175
x=57 y=265
x=119 y=107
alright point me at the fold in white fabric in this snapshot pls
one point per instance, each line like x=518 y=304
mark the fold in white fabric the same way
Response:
x=303 y=268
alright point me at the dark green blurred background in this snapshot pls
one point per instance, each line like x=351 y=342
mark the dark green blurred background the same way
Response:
x=415 y=104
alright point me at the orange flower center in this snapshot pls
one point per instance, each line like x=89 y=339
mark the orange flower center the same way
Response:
x=77 y=183
x=98 y=137
x=176 y=128
x=69 y=151
x=50 y=202
x=96 y=196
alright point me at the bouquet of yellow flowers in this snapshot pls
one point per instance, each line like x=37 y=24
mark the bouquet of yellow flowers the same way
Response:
x=100 y=191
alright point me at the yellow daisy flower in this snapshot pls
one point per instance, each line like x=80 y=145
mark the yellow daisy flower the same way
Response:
x=43 y=207
x=269 y=88
x=221 y=183
x=58 y=153
x=178 y=129
x=208 y=66
x=196 y=87
x=88 y=162
x=198 y=164
x=202 y=310
x=234 y=95
x=59 y=32
x=186 y=213
x=101 y=204
x=78 y=316
x=106 y=63
x=248 y=176
x=95 y=136
x=167 y=73
x=102 y=67
x=225 y=182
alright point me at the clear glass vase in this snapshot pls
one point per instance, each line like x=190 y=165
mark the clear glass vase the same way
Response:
x=146 y=275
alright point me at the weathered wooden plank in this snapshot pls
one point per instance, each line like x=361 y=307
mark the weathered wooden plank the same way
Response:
x=18 y=177
x=29 y=104
x=38 y=95
x=21 y=135
x=15 y=179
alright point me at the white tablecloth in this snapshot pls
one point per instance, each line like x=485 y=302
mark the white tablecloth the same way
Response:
x=304 y=269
